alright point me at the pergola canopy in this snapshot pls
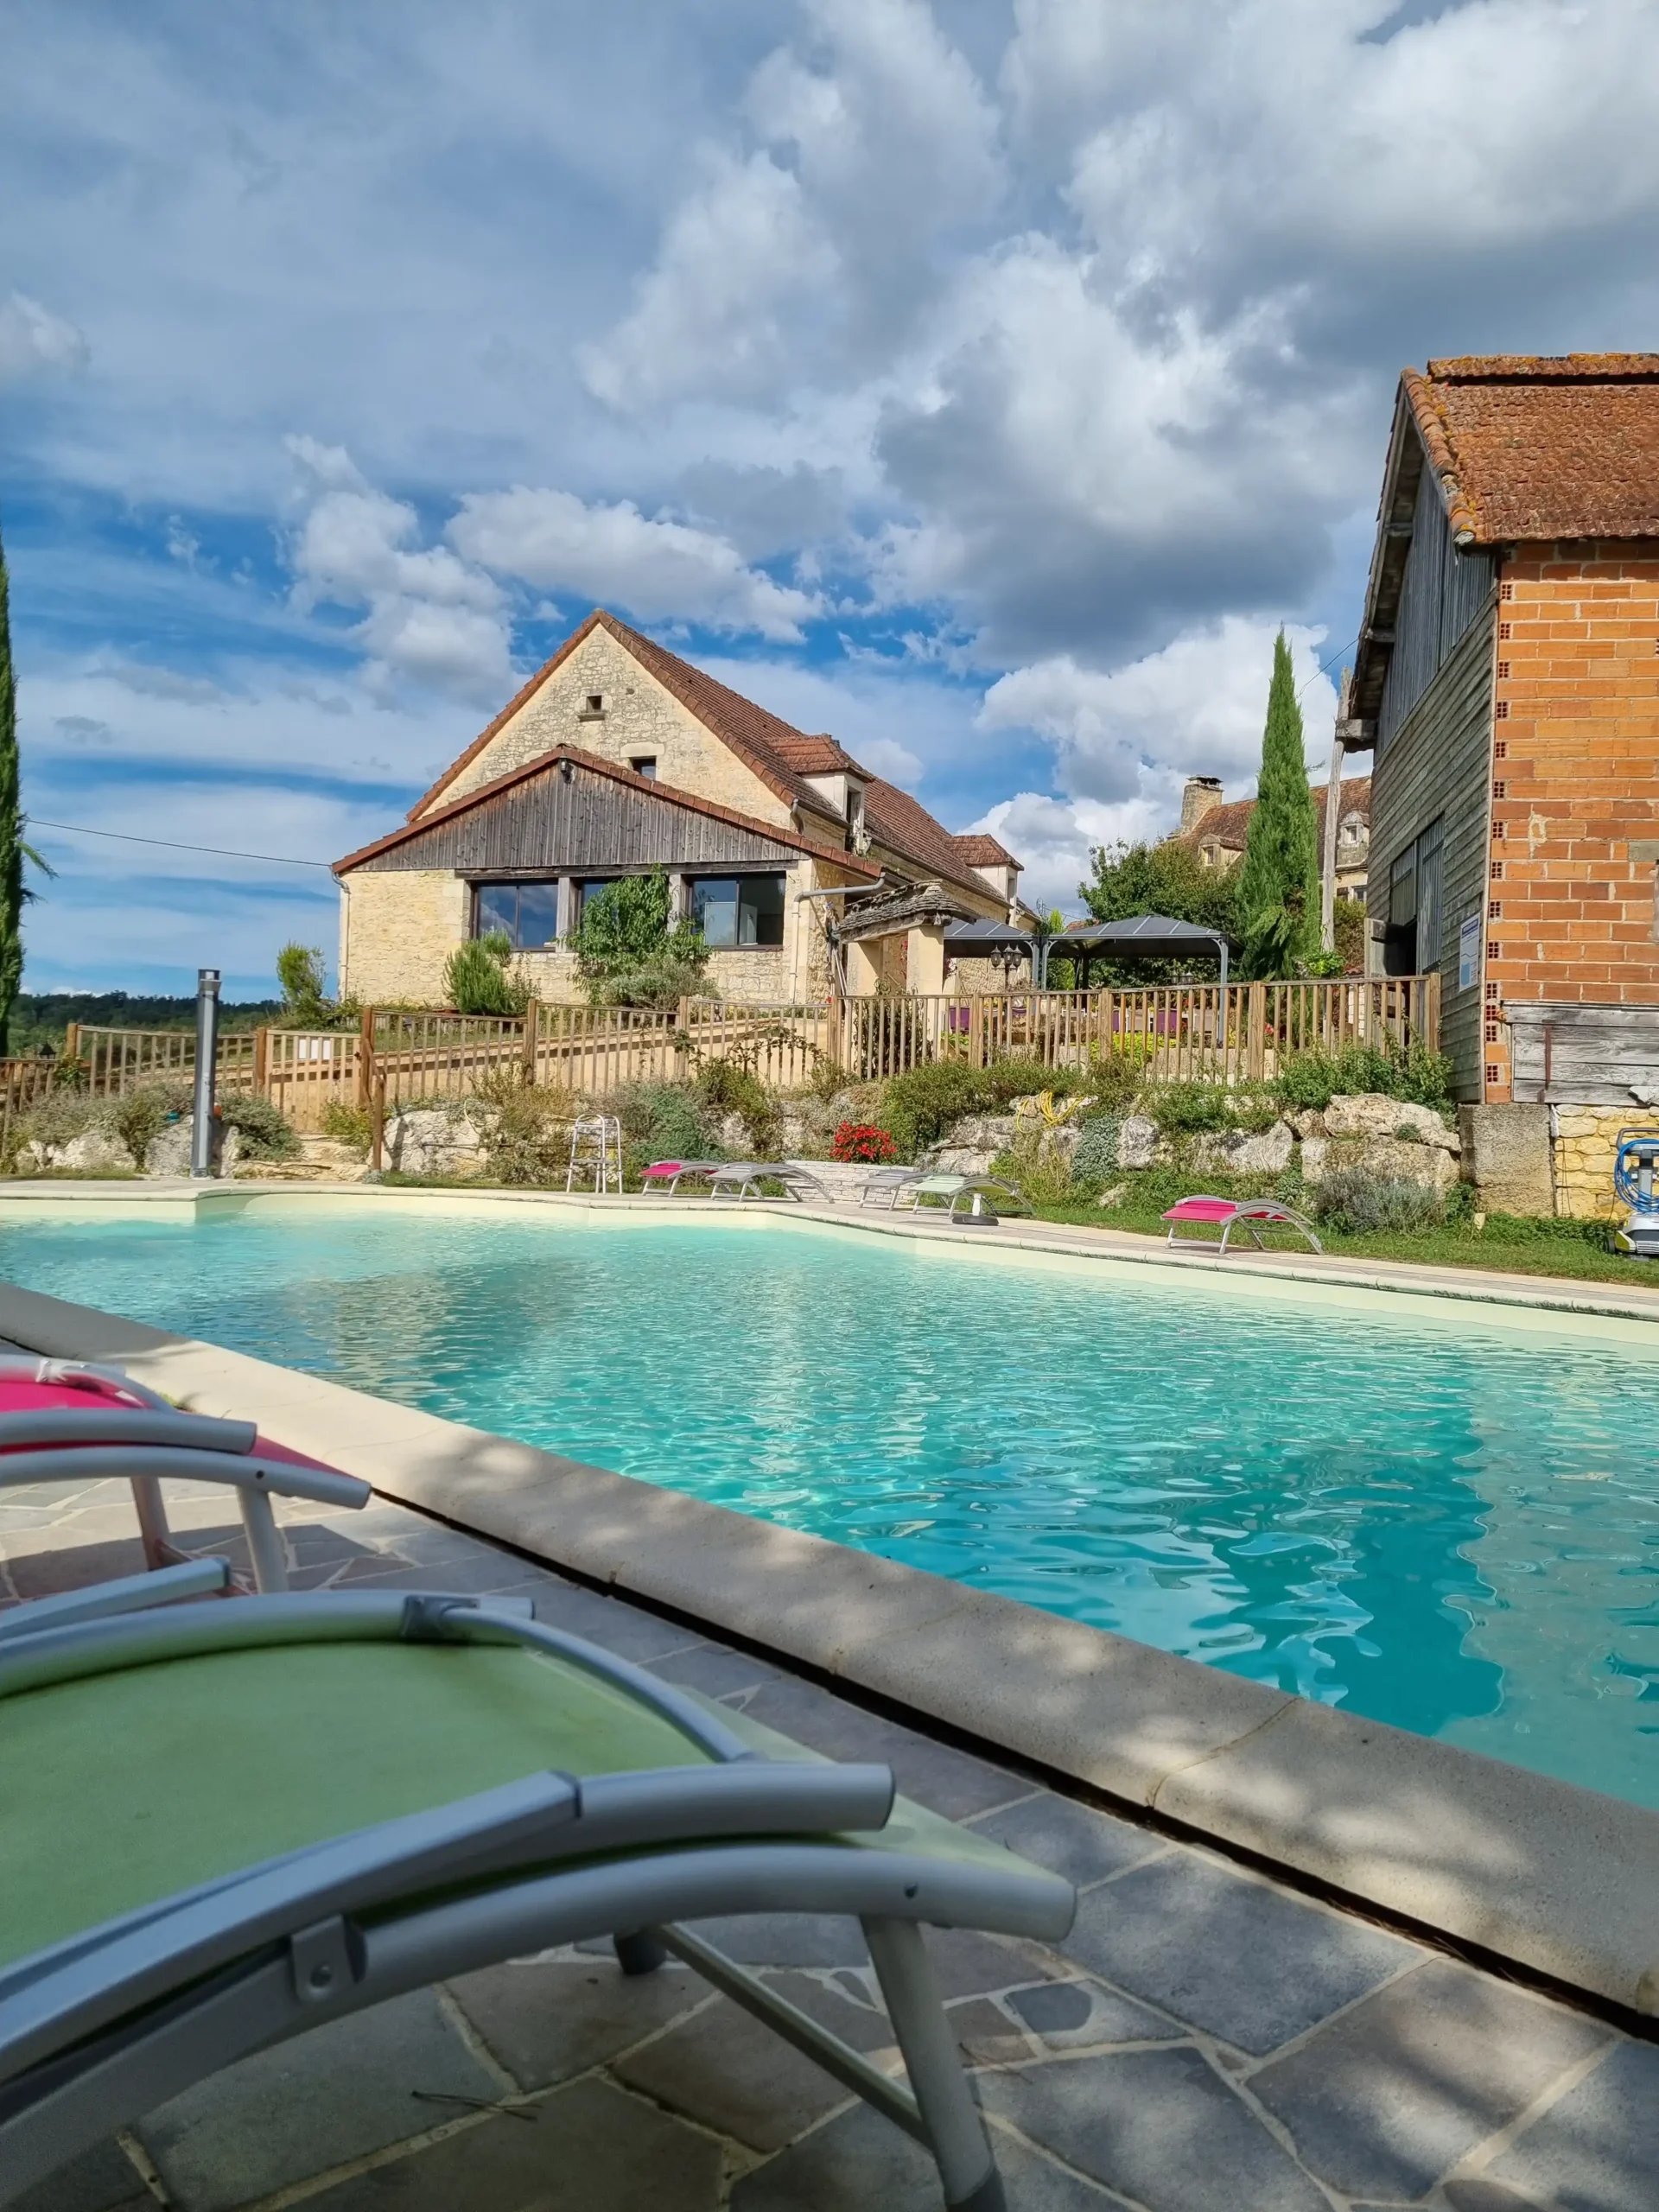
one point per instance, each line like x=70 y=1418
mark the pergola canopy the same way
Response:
x=1151 y=936
x=975 y=940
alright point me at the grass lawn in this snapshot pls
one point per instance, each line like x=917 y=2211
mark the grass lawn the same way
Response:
x=1506 y=1243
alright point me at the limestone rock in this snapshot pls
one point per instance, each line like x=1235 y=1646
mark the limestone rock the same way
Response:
x=92 y=1150
x=1114 y=1196
x=1369 y=1114
x=1389 y=1159
x=1137 y=1141
x=960 y=1160
x=434 y=1140
x=1239 y=1153
x=167 y=1152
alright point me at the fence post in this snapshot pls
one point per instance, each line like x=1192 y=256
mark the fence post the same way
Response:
x=378 y=1120
x=532 y=1037
x=72 y=1041
x=366 y=1057
x=262 y=1061
x=1432 y=1010
x=1256 y=1028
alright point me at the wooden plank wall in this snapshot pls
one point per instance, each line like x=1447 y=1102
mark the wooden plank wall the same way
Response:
x=1568 y=1054
x=1440 y=765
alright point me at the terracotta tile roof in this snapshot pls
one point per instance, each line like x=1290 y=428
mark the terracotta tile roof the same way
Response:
x=546 y=762
x=1229 y=825
x=816 y=756
x=1532 y=449
x=904 y=825
x=777 y=753
x=981 y=851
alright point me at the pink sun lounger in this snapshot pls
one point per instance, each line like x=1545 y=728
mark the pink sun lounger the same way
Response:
x=1229 y=1214
x=61 y=1422
x=668 y=1171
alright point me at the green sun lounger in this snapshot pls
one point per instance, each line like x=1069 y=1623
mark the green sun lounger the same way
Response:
x=225 y=1824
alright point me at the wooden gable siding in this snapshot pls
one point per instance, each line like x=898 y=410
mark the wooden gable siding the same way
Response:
x=543 y=826
x=1442 y=592
x=1439 y=767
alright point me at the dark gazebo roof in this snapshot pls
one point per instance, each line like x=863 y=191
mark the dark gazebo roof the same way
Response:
x=1157 y=935
x=963 y=940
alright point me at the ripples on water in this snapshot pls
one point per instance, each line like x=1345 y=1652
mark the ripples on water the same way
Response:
x=1453 y=1532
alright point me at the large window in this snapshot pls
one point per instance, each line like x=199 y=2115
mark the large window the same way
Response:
x=529 y=913
x=1412 y=944
x=738 y=909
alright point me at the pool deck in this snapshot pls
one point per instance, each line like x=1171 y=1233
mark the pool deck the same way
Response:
x=1208 y=2039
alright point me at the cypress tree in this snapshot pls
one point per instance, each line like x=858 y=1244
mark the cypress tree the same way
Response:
x=11 y=827
x=1279 y=880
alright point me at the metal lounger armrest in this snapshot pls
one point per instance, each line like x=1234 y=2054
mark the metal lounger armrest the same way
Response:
x=127 y=1593
x=99 y=1462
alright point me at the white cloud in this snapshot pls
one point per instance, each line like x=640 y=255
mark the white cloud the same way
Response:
x=33 y=340
x=1195 y=709
x=1126 y=740
x=658 y=569
x=430 y=618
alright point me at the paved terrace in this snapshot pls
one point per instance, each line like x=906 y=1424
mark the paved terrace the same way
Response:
x=1205 y=2041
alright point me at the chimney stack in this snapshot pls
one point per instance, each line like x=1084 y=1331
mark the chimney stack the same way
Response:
x=1201 y=795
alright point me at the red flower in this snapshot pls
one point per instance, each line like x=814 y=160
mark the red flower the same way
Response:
x=862 y=1141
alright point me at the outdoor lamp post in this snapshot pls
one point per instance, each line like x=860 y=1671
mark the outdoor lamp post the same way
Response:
x=202 y=1134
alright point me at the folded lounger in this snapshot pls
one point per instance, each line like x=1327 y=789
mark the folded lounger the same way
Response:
x=741 y=1178
x=290 y=1808
x=968 y=1201
x=669 y=1170
x=1228 y=1214
x=60 y=1422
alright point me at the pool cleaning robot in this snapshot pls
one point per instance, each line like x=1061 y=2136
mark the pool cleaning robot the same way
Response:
x=1634 y=1161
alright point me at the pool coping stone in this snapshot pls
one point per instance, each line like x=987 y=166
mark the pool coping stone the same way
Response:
x=1556 y=1879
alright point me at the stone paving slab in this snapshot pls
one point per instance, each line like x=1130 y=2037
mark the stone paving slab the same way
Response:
x=1205 y=2038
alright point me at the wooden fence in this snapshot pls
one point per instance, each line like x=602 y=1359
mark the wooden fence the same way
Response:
x=1180 y=1033
x=394 y=1060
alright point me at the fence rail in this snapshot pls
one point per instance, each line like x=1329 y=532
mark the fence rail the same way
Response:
x=396 y=1059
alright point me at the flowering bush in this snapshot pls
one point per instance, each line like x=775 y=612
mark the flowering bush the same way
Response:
x=862 y=1141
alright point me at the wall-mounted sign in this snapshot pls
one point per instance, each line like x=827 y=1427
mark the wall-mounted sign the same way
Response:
x=1469 y=953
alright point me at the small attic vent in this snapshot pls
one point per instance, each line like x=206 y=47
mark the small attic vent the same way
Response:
x=592 y=708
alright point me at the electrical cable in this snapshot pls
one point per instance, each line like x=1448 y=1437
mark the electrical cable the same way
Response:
x=175 y=845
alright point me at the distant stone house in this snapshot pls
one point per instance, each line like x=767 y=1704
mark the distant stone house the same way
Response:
x=1216 y=829
x=1507 y=685
x=617 y=758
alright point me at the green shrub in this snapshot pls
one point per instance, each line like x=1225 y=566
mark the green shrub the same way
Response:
x=1353 y=1200
x=725 y=1087
x=1008 y=1079
x=1096 y=1157
x=1188 y=1107
x=476 y=977
x=525 y=1128
x=1417 y=1075
x=265 y=1131
x=1115 y=1078
x=627 y=955
x=660 y=1120
x=918 y=1107
x=347 y=1124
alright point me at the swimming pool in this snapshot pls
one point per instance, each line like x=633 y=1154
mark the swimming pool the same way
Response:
x=1451 y=1525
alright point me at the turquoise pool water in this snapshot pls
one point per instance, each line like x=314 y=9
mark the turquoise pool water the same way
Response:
x=1451 y=1528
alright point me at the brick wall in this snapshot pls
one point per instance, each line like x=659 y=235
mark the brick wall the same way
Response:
x=1571 y=911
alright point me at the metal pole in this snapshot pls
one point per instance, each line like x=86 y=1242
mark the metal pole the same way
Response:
x=201 y=1137
x=1332 y=803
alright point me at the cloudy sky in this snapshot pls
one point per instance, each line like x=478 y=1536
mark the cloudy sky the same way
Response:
x=984 y=382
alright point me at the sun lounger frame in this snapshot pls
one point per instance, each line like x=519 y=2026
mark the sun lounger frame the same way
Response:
x=747 y=1175
x=154 y=1441
x=114 y=2020
x=1251 y=1214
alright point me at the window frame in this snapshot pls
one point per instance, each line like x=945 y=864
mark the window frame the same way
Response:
x=739 y=877
x=517 y=886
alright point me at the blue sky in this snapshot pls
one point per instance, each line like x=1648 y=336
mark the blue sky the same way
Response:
x=984 y=383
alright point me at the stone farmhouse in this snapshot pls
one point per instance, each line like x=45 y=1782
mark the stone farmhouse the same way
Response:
x=1507 y=685
x=1215 y=828
x=618 y=756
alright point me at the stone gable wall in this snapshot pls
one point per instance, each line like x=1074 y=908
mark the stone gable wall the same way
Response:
x=640 y=717
x=398 y=928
